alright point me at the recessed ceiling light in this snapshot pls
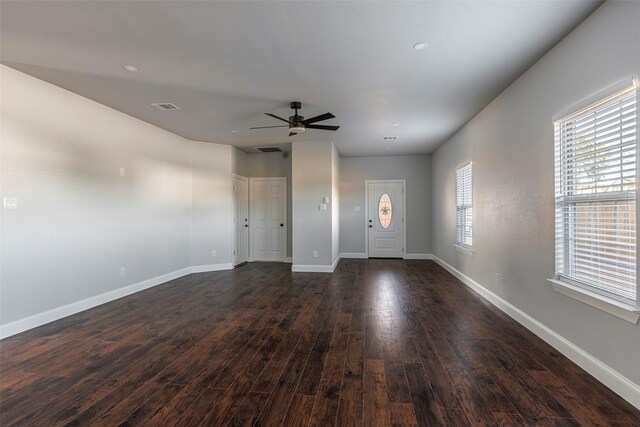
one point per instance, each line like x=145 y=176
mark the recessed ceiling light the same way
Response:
x=387 y=148
x=395 y=124
x=420 y=45
x=130 y=68
x=234 y=131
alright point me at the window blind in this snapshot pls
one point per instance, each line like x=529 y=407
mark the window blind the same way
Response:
x=595 y=175
x=464 y=205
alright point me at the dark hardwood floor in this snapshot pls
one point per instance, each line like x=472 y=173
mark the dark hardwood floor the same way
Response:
x=379 y=342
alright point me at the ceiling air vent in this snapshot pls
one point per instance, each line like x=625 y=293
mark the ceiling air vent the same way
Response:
x=389 y=138
x=269 y=149
x=165 y=106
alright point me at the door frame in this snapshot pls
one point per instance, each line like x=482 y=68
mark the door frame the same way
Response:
x=251 y=216
x=235 y=225
x=404 y=211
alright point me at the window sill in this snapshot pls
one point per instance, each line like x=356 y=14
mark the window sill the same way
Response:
x=464 y=249
x=617 y=308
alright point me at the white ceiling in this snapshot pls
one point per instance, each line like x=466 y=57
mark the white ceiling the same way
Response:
x=227 y=63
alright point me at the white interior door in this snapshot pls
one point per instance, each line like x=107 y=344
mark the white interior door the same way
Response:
x=241 y=220
x=385 y=219
x=268 y=216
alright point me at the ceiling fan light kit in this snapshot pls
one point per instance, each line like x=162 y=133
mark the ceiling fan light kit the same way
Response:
x=297 y=124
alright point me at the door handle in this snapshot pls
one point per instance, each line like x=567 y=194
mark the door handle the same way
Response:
x=246 y=225
x=370 y=226
x=281 y=225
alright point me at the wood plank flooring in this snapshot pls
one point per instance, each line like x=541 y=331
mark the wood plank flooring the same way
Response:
x=377 y=343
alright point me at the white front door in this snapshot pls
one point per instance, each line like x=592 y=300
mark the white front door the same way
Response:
x=241 y=220
x=385 y=219
x=268 y=217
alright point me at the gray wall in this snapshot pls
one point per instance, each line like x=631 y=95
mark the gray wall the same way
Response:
x=212 y=204
x=273 y=165
x=312 y=180
x=353 y=173
x=78 y=221
x=240 y=162
x=511 y=145
x=335 y=204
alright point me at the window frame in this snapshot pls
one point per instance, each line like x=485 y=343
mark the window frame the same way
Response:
x=465 y=247
x=610 y=302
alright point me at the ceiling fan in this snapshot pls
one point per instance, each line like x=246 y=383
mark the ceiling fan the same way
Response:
x=297 y=124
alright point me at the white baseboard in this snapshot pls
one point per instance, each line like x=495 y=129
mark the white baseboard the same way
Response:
x=364 y=255
x=357 y=255
x=57 y=313
x=335 y=263
x=418 y=256
x=298 y=268
x=617 y=382
x=211 y=267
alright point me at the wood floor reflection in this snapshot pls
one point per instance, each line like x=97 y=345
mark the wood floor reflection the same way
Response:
x=379 y=342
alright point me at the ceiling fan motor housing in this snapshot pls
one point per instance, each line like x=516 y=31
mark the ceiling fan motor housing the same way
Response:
x=298 y=127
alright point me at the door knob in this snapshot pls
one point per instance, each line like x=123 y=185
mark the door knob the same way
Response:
x=370 y=226
x=246 y=225
x=281 y=225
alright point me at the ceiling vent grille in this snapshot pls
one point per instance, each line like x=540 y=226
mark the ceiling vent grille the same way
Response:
x=389 y=138
x=269 y=149
x=165 y=106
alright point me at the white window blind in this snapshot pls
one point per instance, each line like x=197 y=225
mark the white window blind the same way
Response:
x=595 y=174
x=464 y=205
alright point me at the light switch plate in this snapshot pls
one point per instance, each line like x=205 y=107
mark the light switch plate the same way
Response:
x=11 y=203
x=326 y=200
x=322 y=207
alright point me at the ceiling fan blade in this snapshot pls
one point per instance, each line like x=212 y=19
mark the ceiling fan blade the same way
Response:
x=279 y=118
x=323 y=127
x=321 y=117
x=266 y=127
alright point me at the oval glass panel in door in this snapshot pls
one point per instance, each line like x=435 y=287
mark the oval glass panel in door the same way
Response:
x=385 y=210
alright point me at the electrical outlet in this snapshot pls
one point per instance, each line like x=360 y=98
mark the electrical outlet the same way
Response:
x=314 y=254
x=122 y=272
x=11 y=203
x=121 y=171
x=213 y=253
